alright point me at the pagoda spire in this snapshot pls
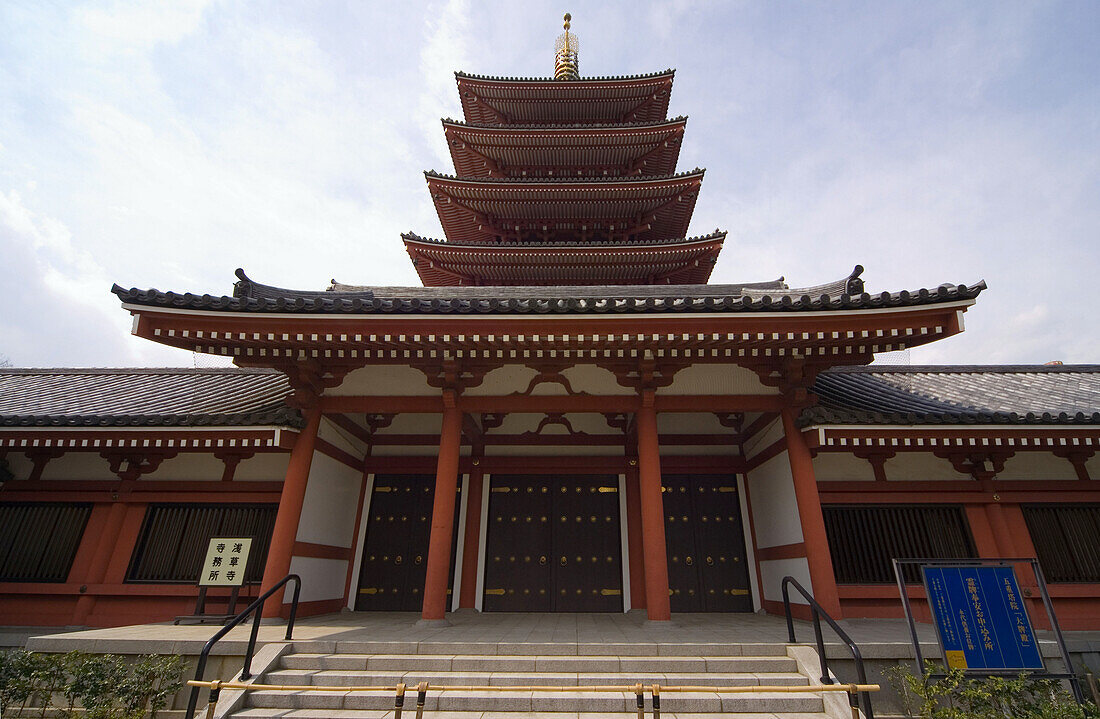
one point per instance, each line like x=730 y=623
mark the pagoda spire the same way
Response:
x=565 y=55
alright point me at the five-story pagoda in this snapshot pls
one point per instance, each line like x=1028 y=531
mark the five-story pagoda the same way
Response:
x=565 y=181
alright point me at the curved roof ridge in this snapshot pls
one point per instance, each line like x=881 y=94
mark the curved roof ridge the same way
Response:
x=596 y=78
x=566 y=179
x=413 y=237
x=566 y=126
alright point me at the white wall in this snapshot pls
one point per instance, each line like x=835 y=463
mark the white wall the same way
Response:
x=332 y=497
x=775 y=518
x=188 y=467
x=263 y=467
x=79 y=465
x=321 y=578
x=842 y=467
x=1038 y=466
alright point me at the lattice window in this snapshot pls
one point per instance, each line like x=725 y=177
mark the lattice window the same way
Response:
x=1067 y=540
x=863 y=539
x=174 y=539
x=38 y=540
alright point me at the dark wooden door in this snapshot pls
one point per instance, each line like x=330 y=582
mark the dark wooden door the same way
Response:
x=395 y=553
x=705 y=540
x=518 y=544
x=553 y=544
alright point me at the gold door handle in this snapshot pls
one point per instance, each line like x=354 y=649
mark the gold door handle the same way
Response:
x=564 y=561
x=542 y=559
x=688 y=561
x=397 y=559
x=418 y=559
x=710 y=561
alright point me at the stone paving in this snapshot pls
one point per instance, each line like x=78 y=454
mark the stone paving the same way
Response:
x=470 y=627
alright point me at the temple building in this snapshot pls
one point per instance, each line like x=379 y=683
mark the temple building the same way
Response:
x=565 y=417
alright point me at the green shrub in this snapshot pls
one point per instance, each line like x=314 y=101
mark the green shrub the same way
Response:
x=99 y=686
x=957 y=696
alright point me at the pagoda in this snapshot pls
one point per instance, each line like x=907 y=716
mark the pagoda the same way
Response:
x=565 y=181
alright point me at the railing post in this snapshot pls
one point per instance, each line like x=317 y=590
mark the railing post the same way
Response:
x=246 y=670
x=787 y=610
x=825 y=678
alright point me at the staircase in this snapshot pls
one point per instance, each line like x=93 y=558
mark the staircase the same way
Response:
x=365 y=663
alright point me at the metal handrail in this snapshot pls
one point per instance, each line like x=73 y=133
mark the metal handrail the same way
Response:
x=255 y=607
x=817 y=612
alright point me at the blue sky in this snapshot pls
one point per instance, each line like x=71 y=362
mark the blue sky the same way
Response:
x=165 y=144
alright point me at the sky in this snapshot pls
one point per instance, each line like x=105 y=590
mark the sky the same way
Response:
x=166 y=144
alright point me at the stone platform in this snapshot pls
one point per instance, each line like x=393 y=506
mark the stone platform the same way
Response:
x=383 y=648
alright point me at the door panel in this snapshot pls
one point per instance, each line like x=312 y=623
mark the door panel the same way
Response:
x=395 y=553
x=553 y=544
x=587 y=574
x=706 y=544
x=517 y=556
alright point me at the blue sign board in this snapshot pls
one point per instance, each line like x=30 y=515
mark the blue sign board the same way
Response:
x=981 y=619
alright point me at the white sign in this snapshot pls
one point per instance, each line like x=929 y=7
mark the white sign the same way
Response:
x=225 y=562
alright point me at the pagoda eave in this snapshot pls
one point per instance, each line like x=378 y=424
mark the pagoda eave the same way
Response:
x=686 y=262
x=519 y=101
x=615 y=150
x=479 y=210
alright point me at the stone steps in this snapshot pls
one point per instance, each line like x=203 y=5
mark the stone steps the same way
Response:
x=526 y=701
x=329 y=677
x=459 y=664
x=264 y=713
x=529 y=663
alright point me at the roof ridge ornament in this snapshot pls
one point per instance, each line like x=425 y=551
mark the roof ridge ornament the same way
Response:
x=565 y=53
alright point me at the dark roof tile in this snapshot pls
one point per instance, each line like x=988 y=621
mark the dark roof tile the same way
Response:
x=144 y=397
x=979 y=394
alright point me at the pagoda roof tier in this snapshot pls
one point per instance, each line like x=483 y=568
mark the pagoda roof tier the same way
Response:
x=521 y=101
x=759 y=324
x=686 y=261
x=571 y=209
x=570 y=150
x=844 y=295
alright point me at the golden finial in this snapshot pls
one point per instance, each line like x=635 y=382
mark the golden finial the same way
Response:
x=565 y=56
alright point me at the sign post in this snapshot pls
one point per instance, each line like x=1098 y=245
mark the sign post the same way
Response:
x=981 y=618
x=224 y=566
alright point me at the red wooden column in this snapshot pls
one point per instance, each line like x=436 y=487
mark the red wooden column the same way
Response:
x=809 y=515
x=470 y=549
x=290 y=511
x=96 y=569
x=443 y=511
x=653 y=513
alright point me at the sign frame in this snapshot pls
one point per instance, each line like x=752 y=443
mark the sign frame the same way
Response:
x=921 y=564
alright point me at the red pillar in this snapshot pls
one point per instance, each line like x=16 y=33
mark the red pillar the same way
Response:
x=809 y=514
x=653 y=513
x=290 y=511
x=470 y=549
x=101 y=559
x=443 y=512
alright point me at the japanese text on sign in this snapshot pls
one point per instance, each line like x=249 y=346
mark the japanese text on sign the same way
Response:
x=981 y=621
x=226 y=559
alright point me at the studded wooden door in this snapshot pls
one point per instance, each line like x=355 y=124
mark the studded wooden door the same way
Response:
x=395 y=552
x=707 y=571
x=553 y=544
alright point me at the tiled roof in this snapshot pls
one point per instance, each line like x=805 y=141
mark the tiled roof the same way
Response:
x=1008 y=394
x=601 y=78
x=567 y=179
x=144 y=397
x=842 y=295
x=566 y=127
x=717 y=234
